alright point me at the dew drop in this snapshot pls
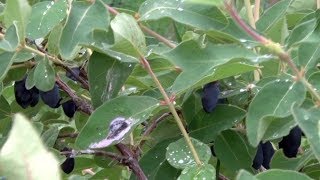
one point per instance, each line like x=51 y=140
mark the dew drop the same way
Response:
x=290 y=87
x=180 y=9
x=275 y=135
x=243 y=90
x=180 y=161
x=243 y=40
x=305 y=117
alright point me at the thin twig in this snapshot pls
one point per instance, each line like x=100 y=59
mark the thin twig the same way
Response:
x=172 y=109
x=133 y=165
x=252 y=22
x=78 y=78
x=243 y=25
x=81 y=104
x=157 y=36
x=145 y=29
x=69 y=135
x=146 y=65
x=318 y=4
x=256 y=13
x=274 y=48
x=35 y=51
x=249 y=14
x=222 y=177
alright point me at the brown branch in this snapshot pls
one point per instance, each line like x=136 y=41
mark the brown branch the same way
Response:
x=276 y=49
x=69 y=135
x=233 y=13
x=222 y=177
x=133 y=165
x=125 y=151
x=79 y=79
x=81 y=104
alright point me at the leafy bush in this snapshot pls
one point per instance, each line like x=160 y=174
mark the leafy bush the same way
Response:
x=159 y=89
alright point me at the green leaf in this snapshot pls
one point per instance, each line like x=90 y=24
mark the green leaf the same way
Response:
x=312 y=170
x=154 y=160
x=302 y=31
x=208 y=2
x=166 y=171
x=103 y=42
x=191 y=105
x=106 y=77
x=179 y=155
x=44 y=17
x=302 y=5
x=128 y=36
x=17 y=11
x=199 y=15
x=6 y=60
x=30 y=81
x=22 y=56
x=201 y=65
x=112 y=173
x=82 y=20
x=5 y=108
x=50 y=136
x=53 y=41
x=234 y=151
x=272 y=15
x=308 y=121
x=26 y=163
x=281 y=174
x=206 y=127
x=206 y=171
x=308 y=55
x=163 y=69
x=271 y=174
x=273 y=100
x=314 y=79
x=245 y=175
x=278 y=127
x=134 y=108
x=11 y=39
x=279 y=161
x=44 y=75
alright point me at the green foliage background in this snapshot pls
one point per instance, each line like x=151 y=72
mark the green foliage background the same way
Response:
x=202 y=44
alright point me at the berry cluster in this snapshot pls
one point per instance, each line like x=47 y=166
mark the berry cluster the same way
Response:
x=30 y=97
x=290 y=143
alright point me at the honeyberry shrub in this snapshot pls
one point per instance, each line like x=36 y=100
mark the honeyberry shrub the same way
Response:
x=159 y=89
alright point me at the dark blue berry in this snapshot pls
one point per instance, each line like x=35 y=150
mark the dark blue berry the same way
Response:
x=210 y=96
x=291 y=143
x=52 y=97
x=69 y=108
x=25 y=97
x=258 y=159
